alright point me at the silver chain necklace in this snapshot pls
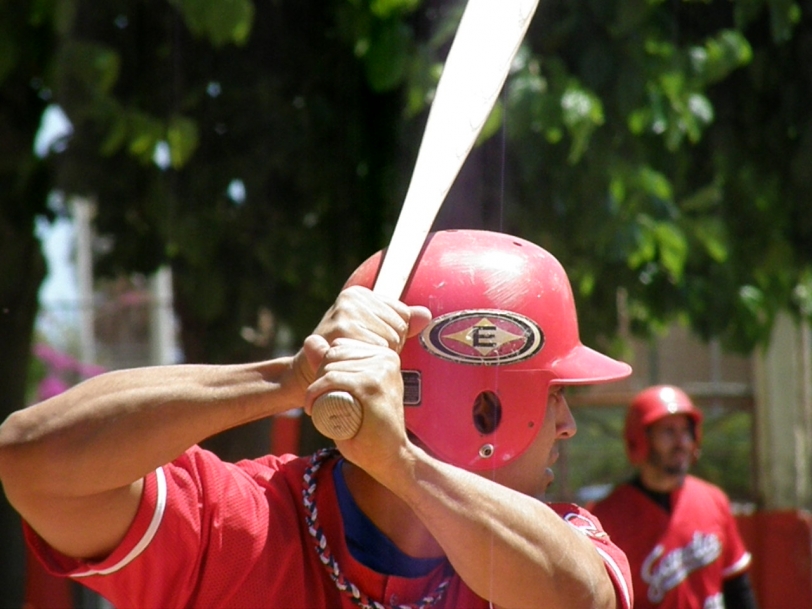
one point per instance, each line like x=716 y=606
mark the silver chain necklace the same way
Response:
x=328 y=560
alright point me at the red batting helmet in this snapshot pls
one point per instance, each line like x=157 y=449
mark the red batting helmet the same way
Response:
x=504 y=329
x=651 y=405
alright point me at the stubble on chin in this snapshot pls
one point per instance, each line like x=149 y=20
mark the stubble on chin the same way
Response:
x=674 y=466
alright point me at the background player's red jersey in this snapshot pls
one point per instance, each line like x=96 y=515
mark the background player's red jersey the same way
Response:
x=678 y=559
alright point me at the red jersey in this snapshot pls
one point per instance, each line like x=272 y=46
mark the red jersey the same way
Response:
x=214 y=534
x=679 y=560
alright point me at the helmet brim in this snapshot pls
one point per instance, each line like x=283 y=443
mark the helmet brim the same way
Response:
x=584 y=366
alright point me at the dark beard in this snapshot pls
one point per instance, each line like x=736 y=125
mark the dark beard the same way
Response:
x=670 y=470
x=675 y=470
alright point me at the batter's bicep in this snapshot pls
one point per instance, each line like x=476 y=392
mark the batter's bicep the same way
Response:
x=86 y=527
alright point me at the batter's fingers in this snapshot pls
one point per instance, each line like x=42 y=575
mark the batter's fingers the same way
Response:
x=410 y=320
x=314 y=348
x=361 y=372
x=359 y=313
x=419 y=318
x=344 y=351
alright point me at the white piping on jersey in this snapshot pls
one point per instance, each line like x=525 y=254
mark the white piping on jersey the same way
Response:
x=610 y=562
x=157 y=516
x=739 y=565
x=593 y=532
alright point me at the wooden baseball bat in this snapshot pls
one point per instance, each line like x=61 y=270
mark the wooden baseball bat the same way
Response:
x=487 y=39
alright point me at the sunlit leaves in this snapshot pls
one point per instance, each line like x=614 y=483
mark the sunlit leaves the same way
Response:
x=140 y=133
x=144 y=134
x=637 y=187
x=677 y=106
x=95 y=66
x=673 y=248
x=661 y=245
x=391 y=8
x=710 y=232
x=424 y=73
x=221 y=21
x=784 y=16
x=674 y=111
x=629 y=17
x=719 y=56
x=802 y=293
x=544 y=98
x=752 y=299
x=381 y=39
x=116 y=136
x=493 y=123
x=582 y=113
x=183 y=136
x=386 y=54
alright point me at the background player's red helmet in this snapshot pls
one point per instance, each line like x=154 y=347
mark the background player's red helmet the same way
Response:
x=651 y=405
x=504 y=328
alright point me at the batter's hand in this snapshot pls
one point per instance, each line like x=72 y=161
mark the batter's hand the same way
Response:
x=361 y=315
x=371 y=374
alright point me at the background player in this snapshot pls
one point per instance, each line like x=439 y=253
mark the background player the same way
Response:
x=116 y=494
x=677 y=530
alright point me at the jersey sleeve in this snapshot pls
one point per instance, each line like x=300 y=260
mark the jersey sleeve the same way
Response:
x=200 y=524
x=735 y=556
x=617 y=565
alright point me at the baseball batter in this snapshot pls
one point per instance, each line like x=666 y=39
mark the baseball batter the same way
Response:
x=677 y=531
x=431 y=505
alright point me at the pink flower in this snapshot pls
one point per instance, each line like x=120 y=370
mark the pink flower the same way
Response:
x=55 y=359
x=50 y=386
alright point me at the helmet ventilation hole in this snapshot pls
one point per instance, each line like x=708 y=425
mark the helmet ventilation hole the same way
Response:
x=486 y=451
x=487 y=412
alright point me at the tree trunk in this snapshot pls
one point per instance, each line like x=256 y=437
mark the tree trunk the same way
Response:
x=22 y=270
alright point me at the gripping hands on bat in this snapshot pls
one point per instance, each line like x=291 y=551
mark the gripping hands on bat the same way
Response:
x=385 y=326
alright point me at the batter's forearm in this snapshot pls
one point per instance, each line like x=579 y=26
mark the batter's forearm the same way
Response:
x=508 y=547
x=112 y=429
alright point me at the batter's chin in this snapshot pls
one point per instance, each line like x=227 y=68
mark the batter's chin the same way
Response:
x=547 y=479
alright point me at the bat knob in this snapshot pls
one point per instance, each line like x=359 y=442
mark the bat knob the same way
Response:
x=337 y=415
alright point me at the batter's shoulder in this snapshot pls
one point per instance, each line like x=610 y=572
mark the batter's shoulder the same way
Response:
x=206 y=469
x=580 y=518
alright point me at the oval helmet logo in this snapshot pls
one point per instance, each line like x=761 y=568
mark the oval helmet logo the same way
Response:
x=483 y=337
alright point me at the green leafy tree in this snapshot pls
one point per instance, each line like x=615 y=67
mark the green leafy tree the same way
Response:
x=664 y=148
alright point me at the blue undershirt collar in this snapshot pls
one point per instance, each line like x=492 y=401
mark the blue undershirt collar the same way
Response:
x=368 y=545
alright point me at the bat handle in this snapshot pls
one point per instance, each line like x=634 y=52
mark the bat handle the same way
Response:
x=337 y=415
